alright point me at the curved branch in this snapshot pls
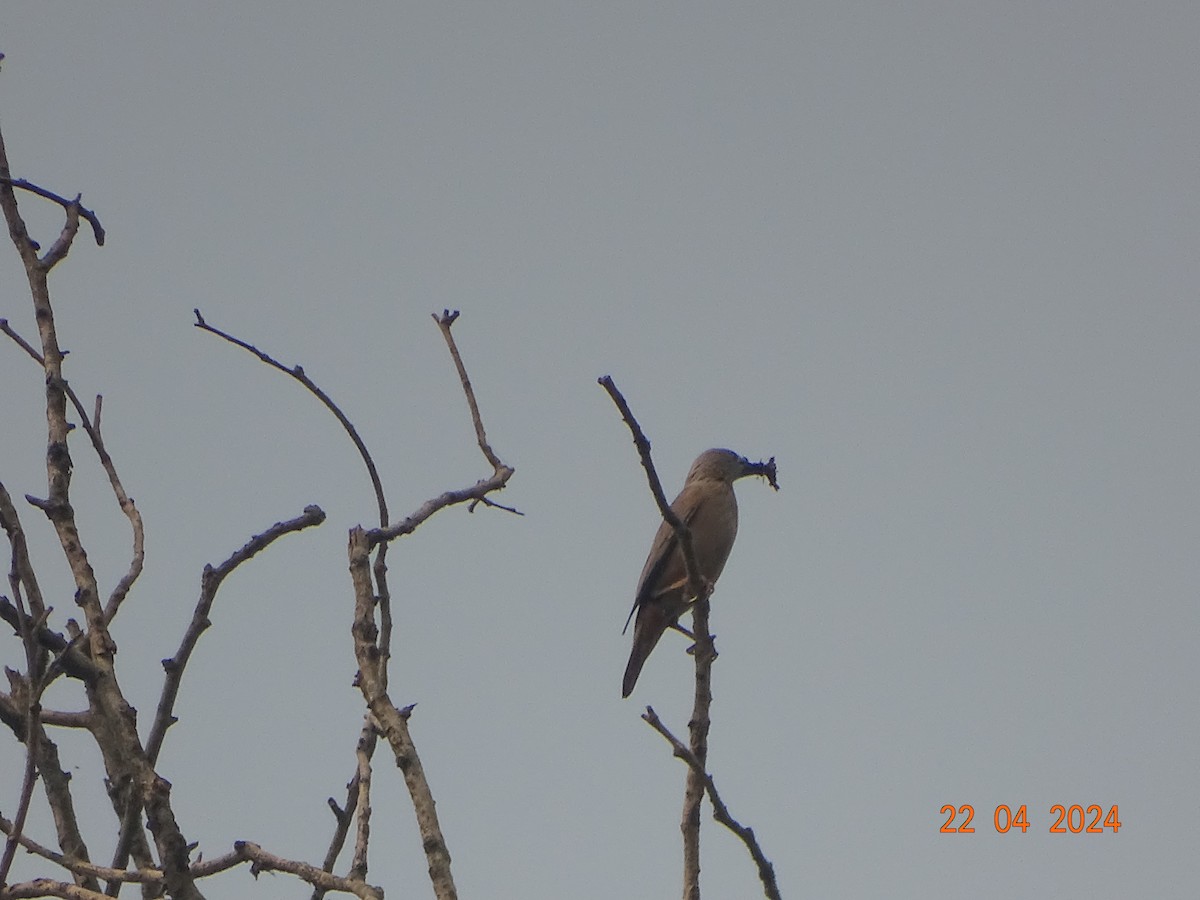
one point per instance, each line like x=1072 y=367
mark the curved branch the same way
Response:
x=297 y=372
x=209 y=583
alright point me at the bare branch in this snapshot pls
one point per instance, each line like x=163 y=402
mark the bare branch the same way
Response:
x=696 y=583
x=209 y=583
x=69 y=657
x=22 y=577
x=26 y=246
x=362 y=805
x=57 y=787
x=92 y=427
x=766 y=872
x=357 y=790
x=82 y=867
x=477 y=493
x=698 y=727
x=62 y=246
x=33 y=707
x=410 y=523
x=297 y=372
x=23 y=711
x=21 y=342
x=172 y=847
x=48 y=887
x=365 y=750
x=92 y=219
x=393 y=722
x=262 y=861
x=444 y=321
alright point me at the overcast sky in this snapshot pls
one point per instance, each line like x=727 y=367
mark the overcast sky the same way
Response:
x=939 y=259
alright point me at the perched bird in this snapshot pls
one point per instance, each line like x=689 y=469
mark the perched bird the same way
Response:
x=708 y=507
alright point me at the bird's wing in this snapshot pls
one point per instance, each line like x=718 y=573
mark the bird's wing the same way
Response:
x=664 y=570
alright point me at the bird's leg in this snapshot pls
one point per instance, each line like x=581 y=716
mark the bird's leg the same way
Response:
x=691 y=651
x=687 y=634
x=683 y=631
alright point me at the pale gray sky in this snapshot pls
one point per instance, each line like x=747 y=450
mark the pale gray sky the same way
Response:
x=939 y=259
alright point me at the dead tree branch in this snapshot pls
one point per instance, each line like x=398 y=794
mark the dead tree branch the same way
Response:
x=113 y=726
x=297 y=372
x=90 y=217
x=370 y=646
x=766 y=872
x=373 y=639
x=262 y=861
x=124 y=501
x=356 y=788
x=210 y=582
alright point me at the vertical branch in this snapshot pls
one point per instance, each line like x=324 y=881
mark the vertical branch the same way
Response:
x=704 y=650
x=32 y=697
x=444 y=321
x=92 y=427
x=362 y=806
x=393 y=722
x=41 y=756
x=698 y=727
x=705 y=653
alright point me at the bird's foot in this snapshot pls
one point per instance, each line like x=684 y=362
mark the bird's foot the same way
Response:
x=683 y=631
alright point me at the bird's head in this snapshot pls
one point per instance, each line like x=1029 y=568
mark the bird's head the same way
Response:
x=727 y=466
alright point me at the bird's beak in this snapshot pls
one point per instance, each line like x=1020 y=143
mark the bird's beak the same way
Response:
x=765 y=469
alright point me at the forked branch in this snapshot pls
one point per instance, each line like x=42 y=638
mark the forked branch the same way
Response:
x=766 y=871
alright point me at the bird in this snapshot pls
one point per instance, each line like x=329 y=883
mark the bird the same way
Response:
x=707 y=505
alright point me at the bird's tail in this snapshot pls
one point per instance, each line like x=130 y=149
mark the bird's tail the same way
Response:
x=650 y=625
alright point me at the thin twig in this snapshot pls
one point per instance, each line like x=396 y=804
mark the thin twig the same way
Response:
x=262 y=861
x=210 y=581
x=477 y=493
x=444 y=321
x=91 y=217
x=766 y=871
x=696 y=582
x=297 y=372
x=124 y=501
x=33 y=708
x=344 y=815
x=70 y=658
